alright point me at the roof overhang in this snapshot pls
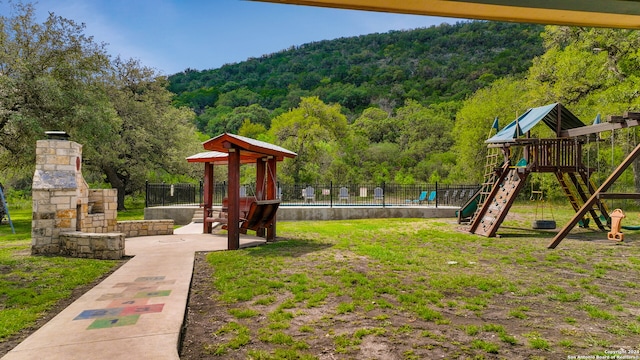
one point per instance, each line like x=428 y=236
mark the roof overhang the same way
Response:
x=250 y=150
x=601 y=13
x=218 y=158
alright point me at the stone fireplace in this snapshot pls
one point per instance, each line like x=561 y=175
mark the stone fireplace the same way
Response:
x=66 y=213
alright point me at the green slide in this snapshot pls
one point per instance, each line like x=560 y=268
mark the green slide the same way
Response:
x=467 y=210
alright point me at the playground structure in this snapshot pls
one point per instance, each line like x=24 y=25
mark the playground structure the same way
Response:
x=513 y=155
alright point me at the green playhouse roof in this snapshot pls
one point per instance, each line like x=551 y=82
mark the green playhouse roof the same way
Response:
x=525 y=122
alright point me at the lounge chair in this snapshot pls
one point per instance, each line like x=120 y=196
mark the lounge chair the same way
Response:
x=423 y=197
x=432 y=196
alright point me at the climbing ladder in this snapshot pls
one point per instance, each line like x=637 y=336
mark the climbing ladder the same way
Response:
x=493 y=169
x=492 y=212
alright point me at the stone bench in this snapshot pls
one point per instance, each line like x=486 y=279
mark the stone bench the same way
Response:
x=104 y=246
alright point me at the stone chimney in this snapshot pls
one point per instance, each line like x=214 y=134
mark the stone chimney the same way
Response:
x=58 y=192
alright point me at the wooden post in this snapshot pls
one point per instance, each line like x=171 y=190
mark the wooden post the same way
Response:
x=260 y=185
x=271 y=193
x=233 y=225
x=208 y=195
x=589 y=203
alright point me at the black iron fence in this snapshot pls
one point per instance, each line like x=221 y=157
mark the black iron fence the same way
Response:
x=173 y=194
x=386 y=194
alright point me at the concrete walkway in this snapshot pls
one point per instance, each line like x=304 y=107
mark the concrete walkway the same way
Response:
x=137 y=312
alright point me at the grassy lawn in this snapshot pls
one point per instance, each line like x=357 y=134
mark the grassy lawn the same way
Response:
x=32 y=285
x=387 y=289
x=422 y=289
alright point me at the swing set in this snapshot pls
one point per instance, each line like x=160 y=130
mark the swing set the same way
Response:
x=513 y=155
x=540 y=222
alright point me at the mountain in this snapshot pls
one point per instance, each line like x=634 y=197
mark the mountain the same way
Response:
x=430 y=65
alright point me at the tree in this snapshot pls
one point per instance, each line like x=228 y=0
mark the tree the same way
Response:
x=48 y=81
x=376 y=125
x=597 y=72
x=504 y=99
x=251 y=130
x=153 y=137
x=315 y=131
x=254 y=113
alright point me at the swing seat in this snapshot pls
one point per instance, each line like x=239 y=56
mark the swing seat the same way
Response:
x=259 y=215
x=218 y=218
x=543 y=224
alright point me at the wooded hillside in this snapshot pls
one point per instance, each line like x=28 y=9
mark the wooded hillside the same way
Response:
x=393 y=96
x=431 y=65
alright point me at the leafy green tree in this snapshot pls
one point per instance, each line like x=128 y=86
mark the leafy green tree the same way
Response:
x=153 y=137
x=251 y=130
x=315 y=132
x=238 y=97
x=213 y=120
x=593 y=71
x=376 y=126
x=254 y=112
x=197 y=99
x=49 y=80
x=504 y=99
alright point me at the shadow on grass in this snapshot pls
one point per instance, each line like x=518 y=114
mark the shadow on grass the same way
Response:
x=516 y=232
x=288 y=248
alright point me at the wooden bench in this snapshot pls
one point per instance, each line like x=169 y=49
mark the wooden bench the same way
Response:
x=221 y=217
x=254 y=215
x=260 y=216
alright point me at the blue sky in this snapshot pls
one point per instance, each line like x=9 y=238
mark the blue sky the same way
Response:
x=172 y=35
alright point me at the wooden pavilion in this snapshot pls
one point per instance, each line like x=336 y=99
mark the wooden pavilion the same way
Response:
x=234 y=150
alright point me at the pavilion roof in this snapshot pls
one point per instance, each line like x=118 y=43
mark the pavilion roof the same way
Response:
x=218 y=158
x=250 y=150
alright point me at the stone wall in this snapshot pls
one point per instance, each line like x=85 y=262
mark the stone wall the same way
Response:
x=145 y=227
x=181 y=215
x=104 y=246
x=102 y=211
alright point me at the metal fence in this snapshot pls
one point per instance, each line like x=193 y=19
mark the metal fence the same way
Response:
x=173 y=194
x=321 y=194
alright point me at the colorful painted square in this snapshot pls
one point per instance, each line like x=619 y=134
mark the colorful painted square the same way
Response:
x=114 y=322
x=144 y=309
x=165 y=282
x=139 y=288
x=145 y=294
x=112 y=296
x=98 y=313
x=128 y=302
